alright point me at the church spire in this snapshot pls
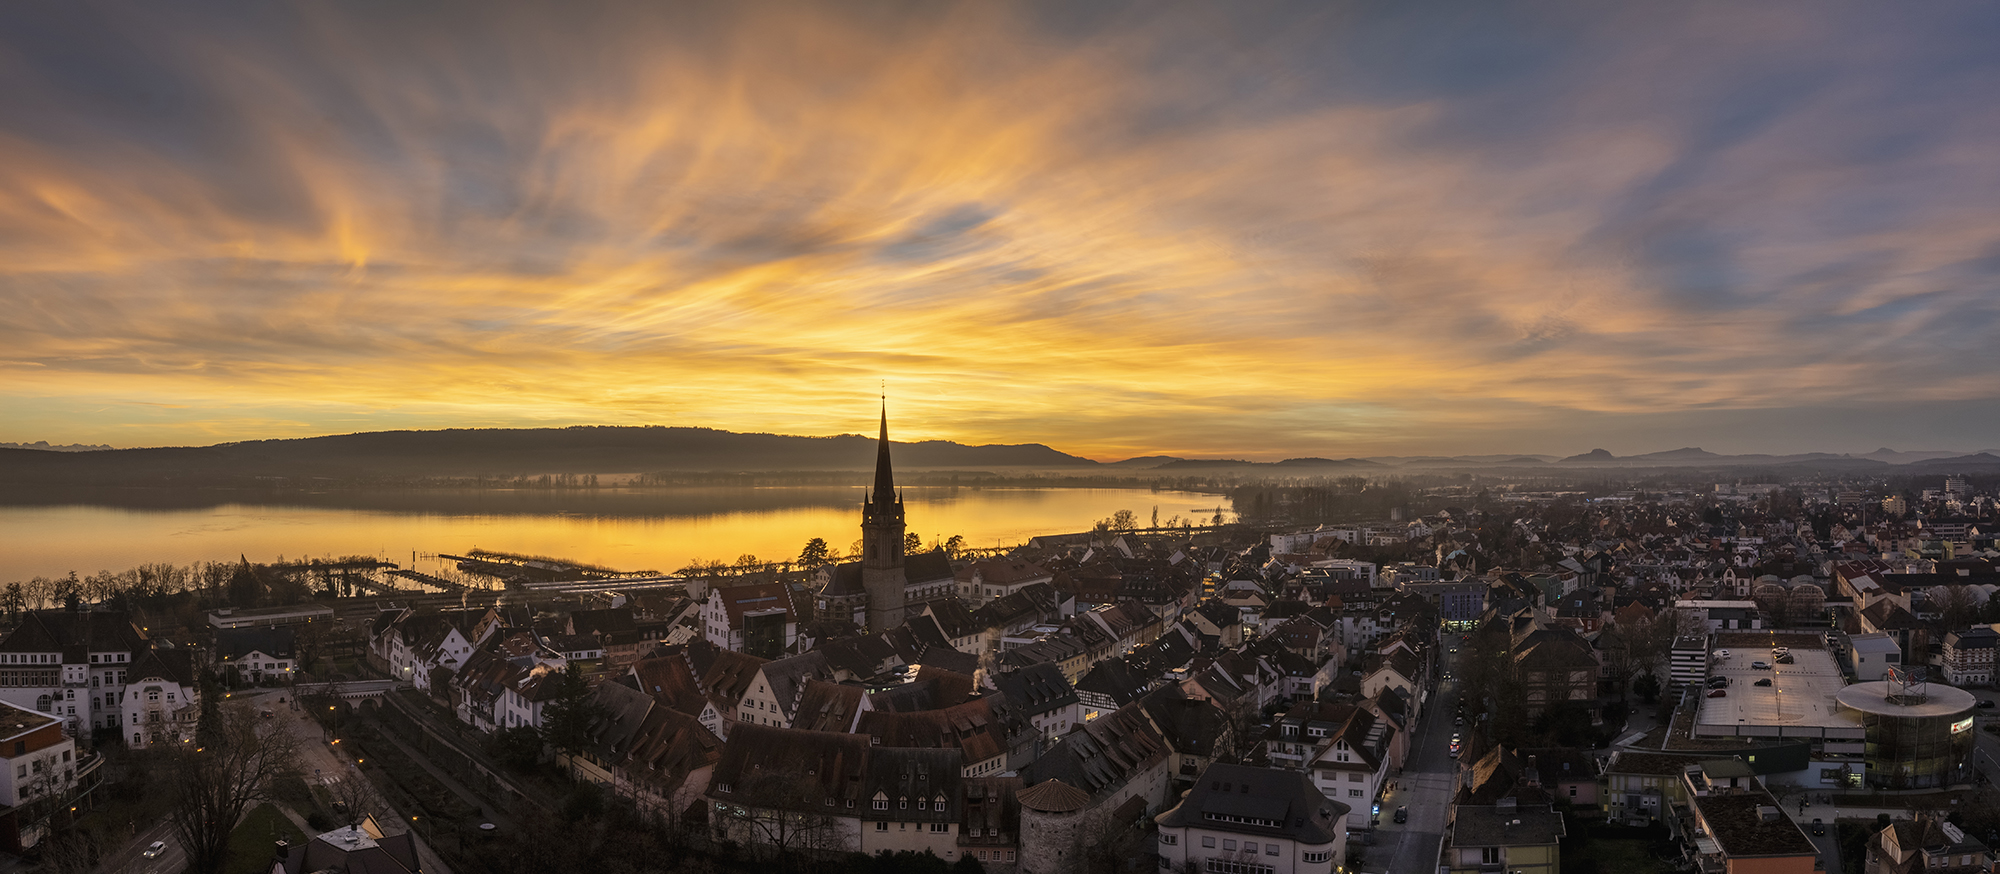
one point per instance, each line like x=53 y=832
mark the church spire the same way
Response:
x=885 y=479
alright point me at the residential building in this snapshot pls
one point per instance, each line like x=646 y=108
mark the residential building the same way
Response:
x=1504 y=836
x=1244 y=820
x=757 y=619
x=38 y=763
x=1928 y=845
x=256 y=654
x=1968 y=656
x=360 y=847
x=100 y=669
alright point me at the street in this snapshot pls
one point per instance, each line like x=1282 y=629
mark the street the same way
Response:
x=1425 y=786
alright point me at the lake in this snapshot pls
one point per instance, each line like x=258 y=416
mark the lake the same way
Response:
x=624 y=528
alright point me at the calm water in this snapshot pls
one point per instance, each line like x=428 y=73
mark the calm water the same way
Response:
x=627 y=529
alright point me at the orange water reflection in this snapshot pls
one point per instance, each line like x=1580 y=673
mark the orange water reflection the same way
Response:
x=685 y=525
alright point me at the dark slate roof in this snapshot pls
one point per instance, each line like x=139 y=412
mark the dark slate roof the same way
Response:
x=788 y=768
x=1495 y=826
x=1116 y=679
x=1102 y=754
x=389 y=854
x=234 y=643
x=927 y=567
x=1192 y=727
x=1037 y=689
x=829 y=706
x=58 y=630
x=1258 y=801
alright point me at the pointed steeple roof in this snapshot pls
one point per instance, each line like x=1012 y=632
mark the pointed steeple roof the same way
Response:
x=885 y=479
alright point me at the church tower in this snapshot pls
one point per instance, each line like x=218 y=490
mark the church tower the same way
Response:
x=882 y=571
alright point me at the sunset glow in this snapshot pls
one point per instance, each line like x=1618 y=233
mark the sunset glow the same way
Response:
x=1259 y=231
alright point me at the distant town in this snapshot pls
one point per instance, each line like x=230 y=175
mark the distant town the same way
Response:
x=1354 y=676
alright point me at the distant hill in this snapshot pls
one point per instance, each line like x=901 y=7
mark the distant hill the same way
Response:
x=1982 y=459
x=1592 y=455
x=506 y=452
x=1145 y=462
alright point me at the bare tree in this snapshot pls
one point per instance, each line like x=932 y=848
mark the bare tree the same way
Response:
x=1957 y=606
x=352 y=797
x=215 y=783
x=778 y=815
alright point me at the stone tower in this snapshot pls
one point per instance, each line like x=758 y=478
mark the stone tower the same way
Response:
x=882 y=525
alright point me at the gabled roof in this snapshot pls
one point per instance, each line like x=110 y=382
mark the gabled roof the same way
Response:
x=969 y=728
x=792 y=769
x=1102 y=754
x=1258 y=801
x=827 y=706
x=787 y=677
x=275 y=641
x=1037 y=689
x=58 y=630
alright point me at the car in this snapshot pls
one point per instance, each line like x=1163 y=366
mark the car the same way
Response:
x=1715 y=682
x=1763 y=682
x=154 y=849
x=1454 y=649
x=1984 y=702
x=1760 y=666
x=1460 y=720
x=1819 y=827
x=1718 y=693
x=1722 y=653
x=1785 y=659
x=1402 y=814
x=1464 y=637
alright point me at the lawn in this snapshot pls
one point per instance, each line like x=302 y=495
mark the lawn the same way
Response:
x=252 y=844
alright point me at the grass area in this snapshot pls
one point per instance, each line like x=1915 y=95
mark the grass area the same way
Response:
x=252 y=844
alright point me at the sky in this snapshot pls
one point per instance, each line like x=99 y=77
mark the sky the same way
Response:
x=1255 y=230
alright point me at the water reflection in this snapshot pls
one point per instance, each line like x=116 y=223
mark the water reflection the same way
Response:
x=628 y=529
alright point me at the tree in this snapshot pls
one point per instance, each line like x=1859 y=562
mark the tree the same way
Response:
x=815 y=554
x=777 y=814
x=1648 y=687
x=567 y=718
x=1957 y=606
x=953 y=544
x=912 y=544
x=1124 y=520
x=213 y=784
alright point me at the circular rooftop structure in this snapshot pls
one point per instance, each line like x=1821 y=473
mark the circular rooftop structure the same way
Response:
x=1884 y=698
x=1917 y=735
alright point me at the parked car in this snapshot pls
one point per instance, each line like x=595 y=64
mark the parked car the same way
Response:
x=1760 y=666
x=1763 y=682
x=1722 y=653
x=154 y=849
x=1819 y=828
x=1403 y=813
x=1984 y=702
x=1717 y=682
x=1718 y=693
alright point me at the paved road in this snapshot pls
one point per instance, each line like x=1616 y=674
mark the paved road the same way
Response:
x=323 y=763
x=1425 y=786
x=130 y=859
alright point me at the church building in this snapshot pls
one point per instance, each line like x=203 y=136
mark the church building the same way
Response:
x=877 y=591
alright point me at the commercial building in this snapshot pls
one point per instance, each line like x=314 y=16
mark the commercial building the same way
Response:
x=1919 y=735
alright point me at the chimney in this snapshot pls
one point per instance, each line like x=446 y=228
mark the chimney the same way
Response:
x=1768 y=813
x=1505 y=805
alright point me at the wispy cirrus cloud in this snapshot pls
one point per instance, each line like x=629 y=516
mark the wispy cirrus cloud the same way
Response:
x=1277 y=229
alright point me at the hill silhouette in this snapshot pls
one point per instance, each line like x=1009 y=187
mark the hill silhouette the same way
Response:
x=504 y=452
